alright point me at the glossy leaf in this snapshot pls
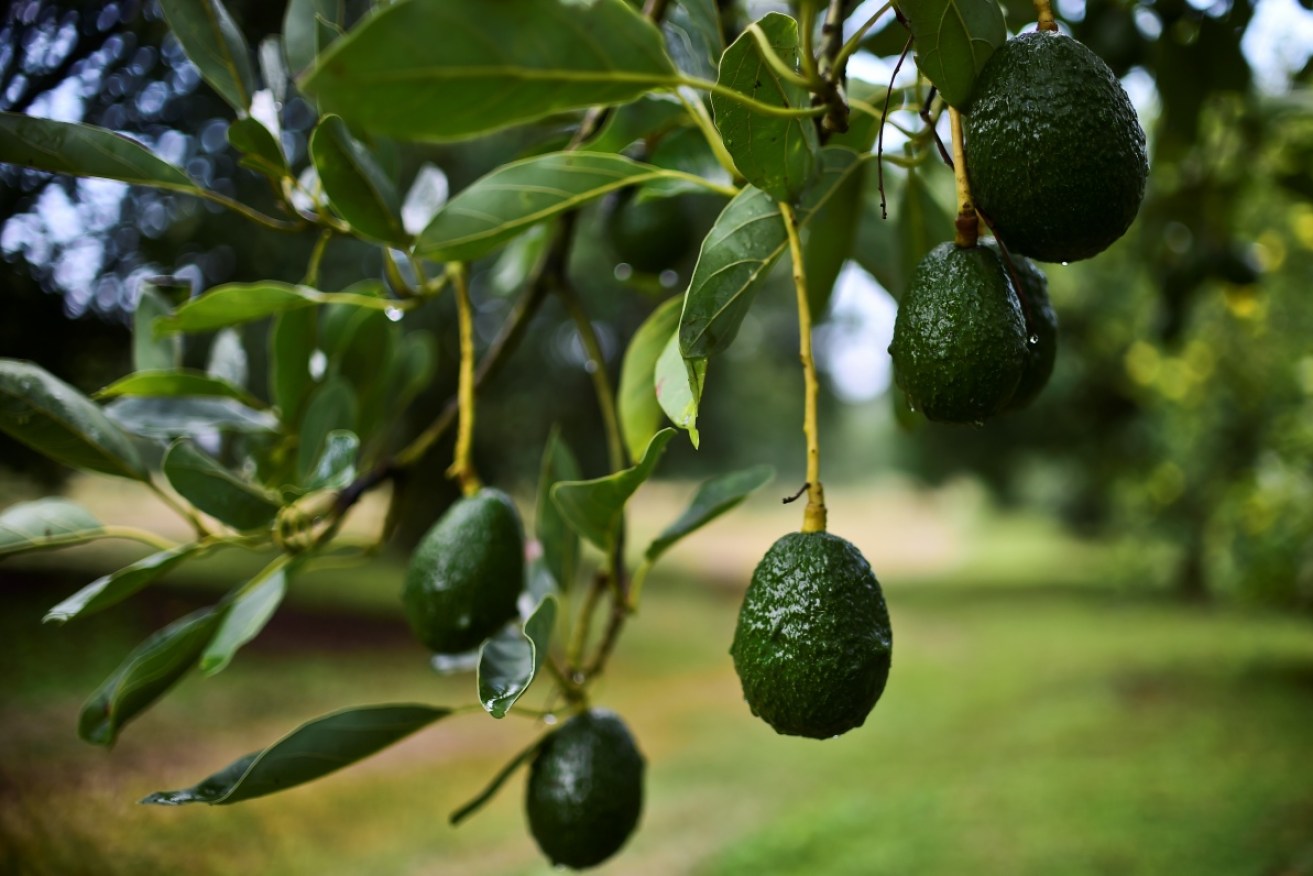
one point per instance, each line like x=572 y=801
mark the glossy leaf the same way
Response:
x=777 y=155
x=876 y=247
x=678 y=383
x=85 y=150
x=309 y=752
x=151 y=352
x=175 y=384
x=449 y=69
x=61 y=423
x=510 y=660
x=595 y=507
x=828 y=239
x=746 y=240
x=714 y=497
x=309 y=27
x=292 y=339
x=117 y=586
x=636 y=398
x=516 y=196
x=356 y=186
x=331 y=408
x=693 y=36
x=246 y=617
x=214 y=490
x=216 y=46
x=46 y=523
x=236 y=303
x=560 y=543
x=145 y=675
x=923 y=224
x=649 y=115
x=954 y=39
x=498 y=780
x=194 y=416
x=259 y=148
x=336 y=466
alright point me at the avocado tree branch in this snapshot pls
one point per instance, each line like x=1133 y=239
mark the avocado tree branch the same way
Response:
x=813 y=518
x=462 y=467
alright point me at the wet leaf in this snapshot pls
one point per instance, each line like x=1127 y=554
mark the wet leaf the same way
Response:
x=560 y=543
x=595 y=507
x=679 y=383
x=246 y=616
x=214 y=43
x=636 y=398
x=714 y=497
x=356 y=186
x=177 y=384
x=510 y=660
x=214 y=490
x=953 y=40
x=117 y=586
x=46 y=523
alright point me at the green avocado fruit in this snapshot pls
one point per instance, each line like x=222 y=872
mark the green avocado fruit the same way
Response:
x=959 y=345
x=466 y=574
x=648 y=234
x=813 y=645
x=585 y=790
x=1054 y=151
x=1042 y=323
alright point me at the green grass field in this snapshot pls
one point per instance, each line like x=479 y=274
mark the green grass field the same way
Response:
x=1086 y=726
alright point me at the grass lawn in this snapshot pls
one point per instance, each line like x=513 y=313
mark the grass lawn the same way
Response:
x=1029 y=727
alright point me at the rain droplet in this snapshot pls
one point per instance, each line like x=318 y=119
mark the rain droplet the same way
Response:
x=1033 y=340
x=549 y=719
x=394 y=313
x=978 y=423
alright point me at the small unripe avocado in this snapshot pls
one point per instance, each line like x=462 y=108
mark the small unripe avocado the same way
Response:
x=466 y=574
x=651 y=234
x=813 y=645
x=1055 y=153
x=1042 y=323
x=959 y=346
x=585 y=790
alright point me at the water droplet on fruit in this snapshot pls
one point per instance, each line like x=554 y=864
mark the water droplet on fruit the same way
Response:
x=1033 y=340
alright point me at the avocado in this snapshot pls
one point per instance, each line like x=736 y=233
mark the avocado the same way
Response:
x=466 y=574
x=1042 y=323
x=1055 y=153
x=813 y=645
x=649 y=234
x=959 y=345
x=585 y=790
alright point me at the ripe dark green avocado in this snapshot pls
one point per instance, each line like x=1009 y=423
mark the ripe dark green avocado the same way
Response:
x=466 y=573
x=813 y=645
x=959 y=346
x=585 y=790
x=1043 y=326
x=1055 y=153
x=650 y=235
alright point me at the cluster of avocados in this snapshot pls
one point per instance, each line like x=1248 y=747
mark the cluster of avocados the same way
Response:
x=585 y=788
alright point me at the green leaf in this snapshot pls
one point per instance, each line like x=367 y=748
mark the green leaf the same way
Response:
x=309 y=752
x=746 y=240
x=227 y=360
x=356 y=186
x=292 y=339
x=145 y=675
x=259 y=148
x=216 y=46
x=214 y=490
x=175 y=384
x=693 y=37
x=117 y=586
x=360 y=344
x=498 y=780
x=828 y=239
x=331 y=408
x=247 y=616
x=236 y=303
x=863 y=129
x=46 y=523
x=777 y=155
x=149 y=351
x=309 y=27
x=923 y=224
x=85 y=150
x=595 y=507
x=449 y=69
x=516 y=196
x=650 y=115
x=678 y=382
x=416 y=364
x=714 y=497
x=510 y=660
x=954 y=39
x=637 y=405
x=336 y=466
x=56 y=420
x=876 y=248
x=193 y=415
x=559 y=542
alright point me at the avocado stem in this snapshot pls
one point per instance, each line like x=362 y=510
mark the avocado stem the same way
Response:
x=462 y=467
x=1044 y=11
x=968 y=227
x=813 y=517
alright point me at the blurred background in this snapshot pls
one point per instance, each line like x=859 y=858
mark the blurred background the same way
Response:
x=1103 y=605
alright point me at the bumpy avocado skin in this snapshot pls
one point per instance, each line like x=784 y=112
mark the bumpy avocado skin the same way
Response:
x=959 y=346
x=813 y=644
x=585 y=790
x=650 y=235
x=1043 y=326
x=466 y=573
x=1055 y=153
